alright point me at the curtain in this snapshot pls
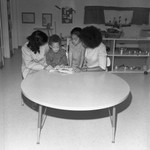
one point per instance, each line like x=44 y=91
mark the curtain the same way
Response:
x=140 y=16
x=94 y=14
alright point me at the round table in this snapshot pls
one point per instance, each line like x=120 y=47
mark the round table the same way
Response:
x=84 y=91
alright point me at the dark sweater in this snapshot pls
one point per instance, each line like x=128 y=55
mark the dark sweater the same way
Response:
x=54 y=59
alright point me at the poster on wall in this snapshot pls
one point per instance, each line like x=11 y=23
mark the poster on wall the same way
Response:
x=47 y=19
x=28 y=17
x=67 y=15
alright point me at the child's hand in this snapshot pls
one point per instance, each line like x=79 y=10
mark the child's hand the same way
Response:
x=84 y=64
x=84 y=69
x=76 y=69
x=48 y=68
x=59 y=67
x=62 y=66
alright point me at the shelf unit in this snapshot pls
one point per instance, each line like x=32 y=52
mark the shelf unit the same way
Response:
x=128 y=55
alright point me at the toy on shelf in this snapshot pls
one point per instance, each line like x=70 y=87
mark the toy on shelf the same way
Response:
x=131 y=68
x=118 y=23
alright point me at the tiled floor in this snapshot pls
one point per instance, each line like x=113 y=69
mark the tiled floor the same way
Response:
x=18 y=124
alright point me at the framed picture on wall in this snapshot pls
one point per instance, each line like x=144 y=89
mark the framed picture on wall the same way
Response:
x=47 y=19
x=67 y=15
x=28 y=17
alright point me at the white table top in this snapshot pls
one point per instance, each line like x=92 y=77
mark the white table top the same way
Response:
x=79 y=91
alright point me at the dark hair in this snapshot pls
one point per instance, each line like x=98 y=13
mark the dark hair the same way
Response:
x=91 y=37
x=37 y=39
x=76 y=31
x=54 y=39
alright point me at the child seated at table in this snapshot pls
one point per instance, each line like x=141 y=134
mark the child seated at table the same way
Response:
x=56 y=55
x=95 y=54
x=76 y=50
x=33 y=53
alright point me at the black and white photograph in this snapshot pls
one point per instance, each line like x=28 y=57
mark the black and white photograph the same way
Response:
x=74 y=75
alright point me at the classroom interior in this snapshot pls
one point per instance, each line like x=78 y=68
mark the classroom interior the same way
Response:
x=19 y=123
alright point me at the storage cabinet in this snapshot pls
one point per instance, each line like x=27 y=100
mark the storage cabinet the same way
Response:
x=128 y=55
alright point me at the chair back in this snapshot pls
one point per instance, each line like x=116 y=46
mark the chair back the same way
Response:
x=108 y=63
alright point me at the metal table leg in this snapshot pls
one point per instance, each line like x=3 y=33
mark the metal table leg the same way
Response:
x=39 y=127
x=114 y=124
x=41 y=120
x=113 y=118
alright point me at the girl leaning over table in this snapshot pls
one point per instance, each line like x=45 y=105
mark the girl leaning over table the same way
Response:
x=76 y=49
x=95 y=53
x=33 y=53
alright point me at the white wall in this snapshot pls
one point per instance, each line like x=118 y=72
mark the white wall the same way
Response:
x=5 y=29
x=39 y=7
x=48 y=6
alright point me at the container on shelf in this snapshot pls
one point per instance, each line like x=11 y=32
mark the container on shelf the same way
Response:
x=128 y=55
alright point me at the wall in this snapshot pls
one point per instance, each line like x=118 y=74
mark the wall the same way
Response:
x=39 y=7
x=48 y=6
x=5 y=29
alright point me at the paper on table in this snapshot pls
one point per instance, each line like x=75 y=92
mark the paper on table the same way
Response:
x=67 y=70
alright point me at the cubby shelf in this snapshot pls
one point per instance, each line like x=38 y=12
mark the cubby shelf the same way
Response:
x=118 y=55
x=128 y=55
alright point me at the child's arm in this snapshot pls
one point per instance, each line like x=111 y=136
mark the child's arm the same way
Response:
x=63 y=60
x=98 y=68
x=30 y=62
x=70 y=57
x=47 y=55
x=102 y=58
x=82 y=57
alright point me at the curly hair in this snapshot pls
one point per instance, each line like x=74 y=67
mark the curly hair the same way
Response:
x=54 y=39
x=91 y=36
x=76 y=31
x=37 y=39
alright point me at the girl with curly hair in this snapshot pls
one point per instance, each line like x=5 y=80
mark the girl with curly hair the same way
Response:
x=95 y=54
